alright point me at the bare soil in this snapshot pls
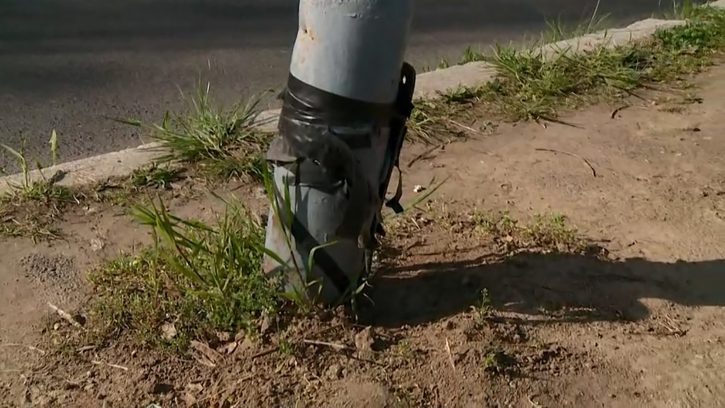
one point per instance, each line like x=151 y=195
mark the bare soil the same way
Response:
x=635 y=319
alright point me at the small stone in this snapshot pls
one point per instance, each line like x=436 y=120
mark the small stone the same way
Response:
x=189 y=399
x=168 y=331
x=365 y=339
x=224 y=337
x=228 y=348
x=97 y=244
x=265 y=324
x=334 y=372
x=418 y=188
x=191 y=392
x=56 y=326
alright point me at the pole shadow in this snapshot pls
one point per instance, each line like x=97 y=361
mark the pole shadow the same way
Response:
x=547 y=287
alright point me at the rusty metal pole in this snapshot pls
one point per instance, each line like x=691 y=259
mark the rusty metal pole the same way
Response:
x=342 y=124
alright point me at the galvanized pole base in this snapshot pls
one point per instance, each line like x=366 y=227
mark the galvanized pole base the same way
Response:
x=340 y=132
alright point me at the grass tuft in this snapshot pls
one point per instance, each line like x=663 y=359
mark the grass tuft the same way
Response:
x=199 y=277
x=43 y=190
x=28 y=208
x=532 y=86
x=155 y=176
x=497 y=362
x=471 y=55
x=558 y=31
x=536 y=85
x=222 y=142
x=548 y=233
x=484 y=309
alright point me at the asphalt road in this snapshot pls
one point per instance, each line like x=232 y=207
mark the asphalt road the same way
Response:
x=70 y=64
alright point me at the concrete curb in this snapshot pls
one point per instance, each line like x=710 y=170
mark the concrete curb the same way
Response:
x=429 y=85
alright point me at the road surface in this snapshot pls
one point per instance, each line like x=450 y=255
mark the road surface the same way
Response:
x=70 y=64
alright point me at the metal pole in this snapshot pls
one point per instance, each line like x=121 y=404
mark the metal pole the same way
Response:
x=342 y=124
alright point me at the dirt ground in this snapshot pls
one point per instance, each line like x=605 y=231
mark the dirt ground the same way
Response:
x=638 y=319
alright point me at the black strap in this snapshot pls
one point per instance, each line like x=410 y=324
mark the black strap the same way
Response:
x=327 y=264
x=394 y=203
x=398 y=132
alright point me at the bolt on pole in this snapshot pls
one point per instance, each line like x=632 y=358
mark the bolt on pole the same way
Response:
x=342 y=125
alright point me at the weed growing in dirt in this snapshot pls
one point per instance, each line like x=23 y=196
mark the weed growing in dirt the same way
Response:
x=681 y=10
x=531 y=85
x=29 y=207
x=484 y=309
x=558 y=31
x=45 y=189
x=535 y=84
x=546 y=233
x=222 y=142
x=501 y=225
x=200 y=278
x=286 y=348
x=496 y=362
x=35 y=226
x=431 y=121
x=553 y=232
x=460 y=94
x=154 y=176
x=425 y=123
x=471 y=55
x=703 y=33
x=405 y=349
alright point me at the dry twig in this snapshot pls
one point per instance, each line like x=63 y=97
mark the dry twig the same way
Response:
x=533 y=403
x=464 y=127
x=334 y=346
x=450 y=355
x=594 y=171
x=264 y=353
x=65 y=315
x=425 y=154
x=98 y=362
x=619 y=109
x=207 y=356
x=29 y=347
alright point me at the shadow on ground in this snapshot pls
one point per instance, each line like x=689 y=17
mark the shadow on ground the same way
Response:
x=548 y=287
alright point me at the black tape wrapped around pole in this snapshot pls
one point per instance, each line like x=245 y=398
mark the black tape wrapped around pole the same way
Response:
x=309 y=148
x=305 y=124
